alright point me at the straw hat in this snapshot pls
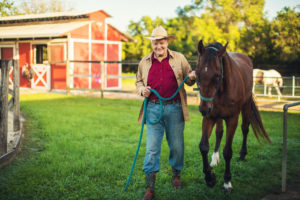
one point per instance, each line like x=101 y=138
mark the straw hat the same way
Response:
x=160 y=33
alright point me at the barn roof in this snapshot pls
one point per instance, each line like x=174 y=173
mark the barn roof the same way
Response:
x=47 y=25
x=48 y=16
x=39 y=30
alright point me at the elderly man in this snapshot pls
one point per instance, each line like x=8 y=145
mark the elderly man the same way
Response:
x=163 y=70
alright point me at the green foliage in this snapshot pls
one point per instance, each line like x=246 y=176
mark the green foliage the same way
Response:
x=240 y=22
x=83 y=148
x=286 y=34
x=7 y=8
x=44 y=6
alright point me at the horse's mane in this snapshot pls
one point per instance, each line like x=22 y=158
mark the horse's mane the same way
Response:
x=211 y=52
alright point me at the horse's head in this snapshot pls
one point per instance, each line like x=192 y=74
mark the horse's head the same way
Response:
x=209 y=74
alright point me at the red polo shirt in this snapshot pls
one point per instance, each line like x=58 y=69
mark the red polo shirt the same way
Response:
x=161 y=78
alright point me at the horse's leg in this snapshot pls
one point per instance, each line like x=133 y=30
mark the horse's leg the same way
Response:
x=207 y=126
x=215 y=158
x=246 y=111
x=278 y=90
x=265 y=89
x=270 y=91
x=231 y=124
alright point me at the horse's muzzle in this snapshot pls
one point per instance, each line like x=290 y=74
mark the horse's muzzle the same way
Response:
x=205 y=110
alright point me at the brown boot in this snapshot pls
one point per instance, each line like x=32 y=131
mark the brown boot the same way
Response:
x=176 y=179
x=148 y=195
x=150 y=182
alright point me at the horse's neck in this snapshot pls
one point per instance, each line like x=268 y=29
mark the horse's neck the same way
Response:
x=228 y=72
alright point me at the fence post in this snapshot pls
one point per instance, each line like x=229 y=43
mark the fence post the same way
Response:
x=102 y=78
x=293 y=86
x=284 y=144
x=3 y=107
x=68 y=77
x=16 y=95
x=283 y=179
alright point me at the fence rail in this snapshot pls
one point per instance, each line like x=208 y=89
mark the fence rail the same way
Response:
x=290 y=88
x=291 y=85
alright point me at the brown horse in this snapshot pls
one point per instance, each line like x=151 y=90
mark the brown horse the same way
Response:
x=225 y=85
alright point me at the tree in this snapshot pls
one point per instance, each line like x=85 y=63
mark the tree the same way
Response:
x=240 y=22
x=44 y=6
x=7 y=8
x=286 y=35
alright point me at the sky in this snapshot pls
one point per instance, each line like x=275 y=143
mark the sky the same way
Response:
x=123 y=11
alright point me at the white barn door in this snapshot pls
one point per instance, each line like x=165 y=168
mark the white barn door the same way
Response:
x=41 y=79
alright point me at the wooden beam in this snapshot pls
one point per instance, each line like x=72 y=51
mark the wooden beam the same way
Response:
x=4 y=107
x=16 y=96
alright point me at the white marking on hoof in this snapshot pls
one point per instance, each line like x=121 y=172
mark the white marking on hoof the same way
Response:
x=228 y=186
x=215 y=159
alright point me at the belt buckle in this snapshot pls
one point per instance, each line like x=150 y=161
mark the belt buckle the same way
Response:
x=164 y=102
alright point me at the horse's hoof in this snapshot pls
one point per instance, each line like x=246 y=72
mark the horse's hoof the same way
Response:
x=228 y=187
x=242 y=159
x=210 y=180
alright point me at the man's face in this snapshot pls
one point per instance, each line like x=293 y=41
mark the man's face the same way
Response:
x=160 y=47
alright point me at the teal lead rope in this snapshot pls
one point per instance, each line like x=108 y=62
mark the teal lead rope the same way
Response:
x=160 y=98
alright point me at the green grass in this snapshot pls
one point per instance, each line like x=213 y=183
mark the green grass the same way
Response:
x=83 y=148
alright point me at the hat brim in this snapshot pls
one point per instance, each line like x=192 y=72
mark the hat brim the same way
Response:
x=169 y=37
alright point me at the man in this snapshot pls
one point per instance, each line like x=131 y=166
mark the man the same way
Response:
x=163 y=70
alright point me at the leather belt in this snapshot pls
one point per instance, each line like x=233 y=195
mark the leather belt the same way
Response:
x=156 y=101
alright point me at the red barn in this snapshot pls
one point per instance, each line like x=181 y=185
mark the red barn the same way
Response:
x=50 y=43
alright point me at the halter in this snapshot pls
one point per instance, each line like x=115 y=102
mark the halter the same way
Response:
x=198 y=88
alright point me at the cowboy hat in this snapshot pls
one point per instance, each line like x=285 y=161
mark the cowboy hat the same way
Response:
x=160 y=33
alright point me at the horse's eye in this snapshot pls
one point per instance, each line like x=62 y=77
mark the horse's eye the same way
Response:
x=217 y=78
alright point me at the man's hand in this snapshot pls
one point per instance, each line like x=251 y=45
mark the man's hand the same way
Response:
x=192 y=75
x=147 y=92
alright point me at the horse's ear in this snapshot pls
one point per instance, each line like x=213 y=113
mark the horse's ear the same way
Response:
x=222 y=51
x=201 y=49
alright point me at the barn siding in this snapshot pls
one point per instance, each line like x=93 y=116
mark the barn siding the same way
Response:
x=95 y=40
x=82 y=32
x=98 y=29
x=58 y=76
x=24 y=56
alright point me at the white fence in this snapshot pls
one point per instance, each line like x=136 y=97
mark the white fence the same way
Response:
x=291 y=84
x=290 y=88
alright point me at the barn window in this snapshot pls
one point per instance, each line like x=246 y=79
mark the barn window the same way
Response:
x=41 y=54
x=57 y=53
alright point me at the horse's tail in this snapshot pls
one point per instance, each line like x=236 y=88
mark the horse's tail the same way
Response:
x=256 y=123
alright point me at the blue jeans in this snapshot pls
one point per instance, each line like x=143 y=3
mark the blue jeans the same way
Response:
x=173 y=123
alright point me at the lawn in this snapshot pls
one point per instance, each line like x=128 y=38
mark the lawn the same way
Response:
x=83 y=148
